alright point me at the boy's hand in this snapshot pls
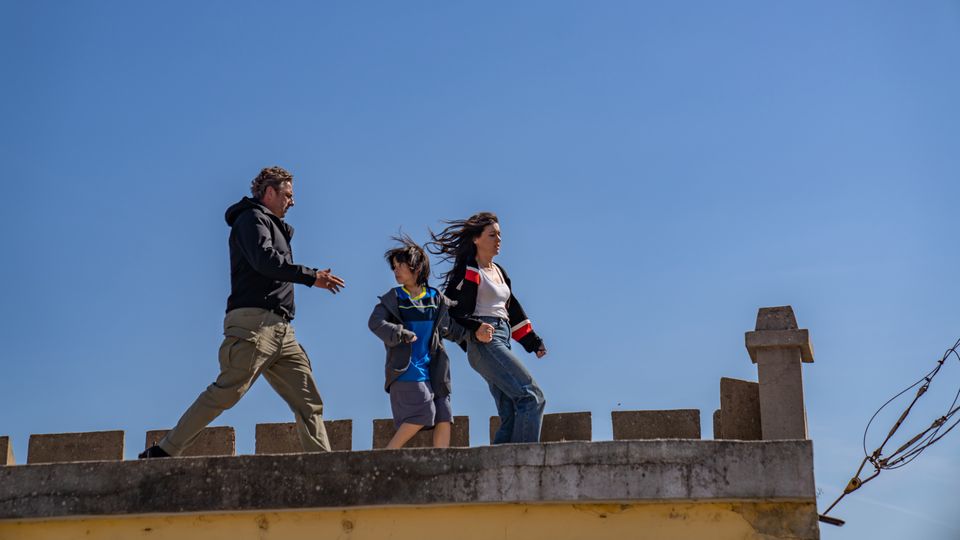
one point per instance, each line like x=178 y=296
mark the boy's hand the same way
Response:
x=407 y=336
x=484 y=334
x=542 y=351
x=328 y=281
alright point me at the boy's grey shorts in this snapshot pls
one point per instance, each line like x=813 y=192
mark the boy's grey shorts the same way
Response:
x=415 y=403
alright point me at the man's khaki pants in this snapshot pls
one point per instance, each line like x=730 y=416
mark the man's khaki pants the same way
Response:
x=256 y=342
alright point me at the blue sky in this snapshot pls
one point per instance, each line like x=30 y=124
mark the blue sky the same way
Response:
x=660 y=170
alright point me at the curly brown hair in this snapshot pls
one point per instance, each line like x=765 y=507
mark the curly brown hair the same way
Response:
x=269 y=177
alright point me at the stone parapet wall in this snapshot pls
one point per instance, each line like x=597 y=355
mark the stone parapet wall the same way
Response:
x=613 y=471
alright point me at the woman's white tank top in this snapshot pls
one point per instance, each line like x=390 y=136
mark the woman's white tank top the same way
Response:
x=491 y=296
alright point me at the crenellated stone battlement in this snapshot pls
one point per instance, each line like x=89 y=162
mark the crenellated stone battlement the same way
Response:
x=756 y=477
x=772 y=409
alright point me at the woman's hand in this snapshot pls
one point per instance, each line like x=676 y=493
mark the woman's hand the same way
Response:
x=542 y=351
x=484 y=334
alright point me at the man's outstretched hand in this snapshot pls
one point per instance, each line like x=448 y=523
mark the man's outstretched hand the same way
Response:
x=328 y=281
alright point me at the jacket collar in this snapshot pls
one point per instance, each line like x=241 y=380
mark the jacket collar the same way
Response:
x=473 y=263
x=389 y=301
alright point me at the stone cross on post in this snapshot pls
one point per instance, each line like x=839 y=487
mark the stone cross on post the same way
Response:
x=779 y=348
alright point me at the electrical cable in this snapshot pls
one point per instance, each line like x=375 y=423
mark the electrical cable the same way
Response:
x=910 y=450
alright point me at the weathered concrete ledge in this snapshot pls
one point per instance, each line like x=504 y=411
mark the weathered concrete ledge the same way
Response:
x=615 y=471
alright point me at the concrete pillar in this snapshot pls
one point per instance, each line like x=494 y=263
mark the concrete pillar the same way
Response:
x=778 y=348
x=558 y=427
x=383 y=431
x=6 y=452
x=212 y=441
x=717 y=429
x=670 y=424
x=65 y=447
x=739 y=410
x=282 y=438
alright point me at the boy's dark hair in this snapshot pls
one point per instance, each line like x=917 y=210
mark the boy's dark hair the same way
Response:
x=410 y=253
x=269 y=177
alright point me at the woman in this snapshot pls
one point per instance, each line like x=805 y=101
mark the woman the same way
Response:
x=487 y=307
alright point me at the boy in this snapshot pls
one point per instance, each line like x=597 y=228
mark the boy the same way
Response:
x=411 y=319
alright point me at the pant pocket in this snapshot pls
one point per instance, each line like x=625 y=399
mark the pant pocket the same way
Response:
x=240 y=332
x=414 y=396
x=238 y=353
x=306 y=357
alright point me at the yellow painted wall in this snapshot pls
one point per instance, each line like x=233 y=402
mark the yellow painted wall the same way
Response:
x=662 y=521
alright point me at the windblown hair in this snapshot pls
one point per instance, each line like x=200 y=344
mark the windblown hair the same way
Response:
x=455 y=243
x=411 y=254
x=269 y=177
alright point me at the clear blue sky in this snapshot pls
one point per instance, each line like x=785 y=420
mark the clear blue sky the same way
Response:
x=660 y=170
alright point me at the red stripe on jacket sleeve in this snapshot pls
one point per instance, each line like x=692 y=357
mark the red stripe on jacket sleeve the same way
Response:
x=521 y=330
x=472 y=275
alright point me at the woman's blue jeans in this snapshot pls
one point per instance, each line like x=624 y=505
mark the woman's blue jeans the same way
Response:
x=519 y=400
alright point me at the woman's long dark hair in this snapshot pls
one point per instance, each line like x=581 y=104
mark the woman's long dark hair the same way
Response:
x=455 y=242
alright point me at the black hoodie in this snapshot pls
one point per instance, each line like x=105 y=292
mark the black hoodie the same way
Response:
x=262 y=272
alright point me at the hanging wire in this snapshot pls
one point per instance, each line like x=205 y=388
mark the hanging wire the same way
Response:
x=910 y=450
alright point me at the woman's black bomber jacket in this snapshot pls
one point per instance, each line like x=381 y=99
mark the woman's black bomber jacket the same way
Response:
x=462 y=288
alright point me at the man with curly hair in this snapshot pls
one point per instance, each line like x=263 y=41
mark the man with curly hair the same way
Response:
x=258 y=338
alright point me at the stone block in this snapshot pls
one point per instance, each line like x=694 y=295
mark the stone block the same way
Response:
x=780 y=339
x=383 y=431
x=776 y=318
x=573 y=426
x=717 y=426
x=740 y=410
x=65 y=447
x=212 y=441
x=282 y=438
x=558 y=427
x=6 y=452
x=668 y=424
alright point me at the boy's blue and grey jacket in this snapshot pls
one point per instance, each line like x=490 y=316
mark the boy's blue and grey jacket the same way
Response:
x=386 y=323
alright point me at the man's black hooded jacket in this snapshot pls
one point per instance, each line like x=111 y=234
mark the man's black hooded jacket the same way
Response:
x=262 y=272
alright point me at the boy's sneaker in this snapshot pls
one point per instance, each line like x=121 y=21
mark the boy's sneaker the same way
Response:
x=153 y=452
